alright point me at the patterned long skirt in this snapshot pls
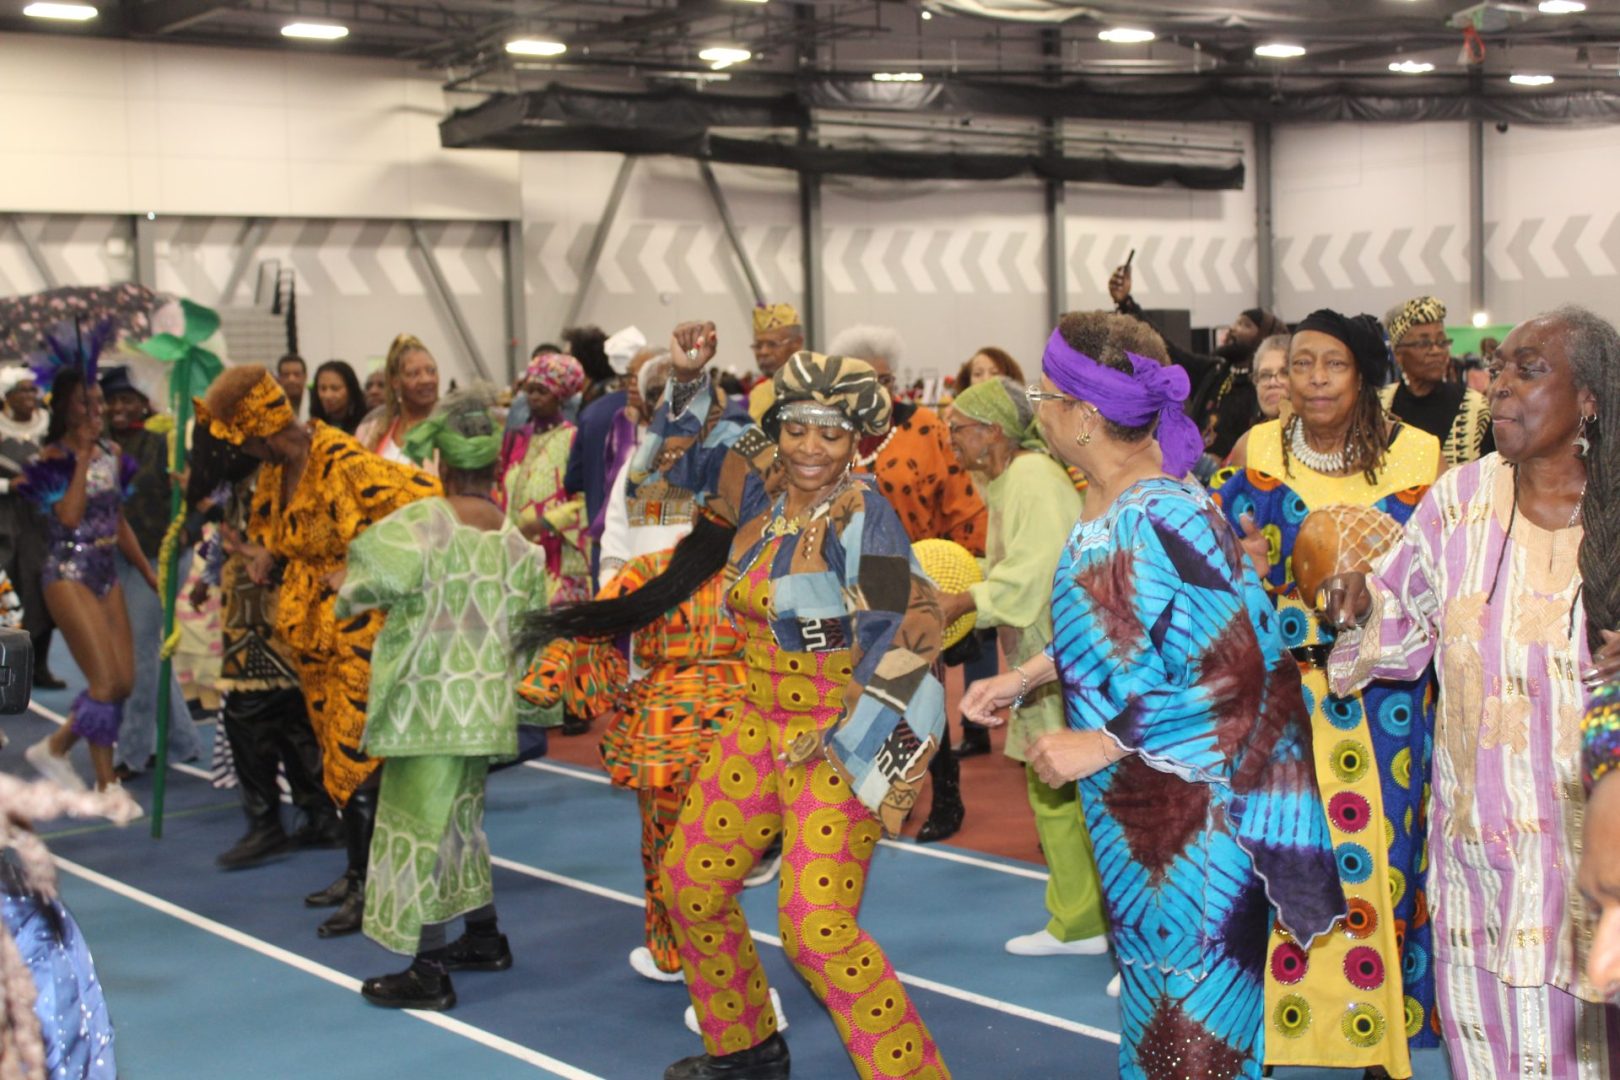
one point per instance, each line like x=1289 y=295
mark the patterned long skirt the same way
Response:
x=429 y=856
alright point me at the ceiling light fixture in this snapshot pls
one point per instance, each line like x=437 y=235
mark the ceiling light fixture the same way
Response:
x=64 y=12
x=1279 y=50
x=1125 y=35
x=1530 y=79
x=535 y=47
x=723 y=56
x=1481 y=320
x=315 y=31
x=1411 y=67
x=927 y=15
x=897 y=76
x=1560 y=7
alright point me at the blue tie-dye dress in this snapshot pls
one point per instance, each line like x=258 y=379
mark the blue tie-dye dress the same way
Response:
x=1212 y=825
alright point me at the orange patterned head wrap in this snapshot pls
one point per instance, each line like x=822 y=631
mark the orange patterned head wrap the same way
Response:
x=244 y=403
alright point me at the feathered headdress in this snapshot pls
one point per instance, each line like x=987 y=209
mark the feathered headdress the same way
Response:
x=69 y=344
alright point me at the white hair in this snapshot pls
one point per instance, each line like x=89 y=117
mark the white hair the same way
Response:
x=653 y=375
x=869 y=343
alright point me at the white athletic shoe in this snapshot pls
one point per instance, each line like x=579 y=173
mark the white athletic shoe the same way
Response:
x=125 y=809
x=1042 y=943
x=763 y=873
x=56 y=769
x=641 y=959
x=1113 y=986
x=776 y=1000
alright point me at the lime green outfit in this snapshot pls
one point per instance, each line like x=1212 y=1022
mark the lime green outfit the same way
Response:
x=1033 y=509
x=441 y=704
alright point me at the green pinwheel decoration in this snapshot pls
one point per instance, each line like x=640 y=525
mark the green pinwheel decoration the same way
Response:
x=194 y=367
x=191 y=369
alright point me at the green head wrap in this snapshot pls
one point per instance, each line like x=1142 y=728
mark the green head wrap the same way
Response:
x=1001 y=402
x=459 y=451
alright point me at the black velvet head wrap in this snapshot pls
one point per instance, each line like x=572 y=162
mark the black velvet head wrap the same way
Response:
x=1363 y=335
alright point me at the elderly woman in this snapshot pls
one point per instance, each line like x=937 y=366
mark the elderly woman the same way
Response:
x=22 y=541
x=840 y=716
x=1033 y=508
x=1424 y=396
x=1487 y=587
x=317 y=490
x=1372 y=746
x=534 y=458
x=1187 y=731
x=453 y=576
x=410 y=391
x=1271 y=375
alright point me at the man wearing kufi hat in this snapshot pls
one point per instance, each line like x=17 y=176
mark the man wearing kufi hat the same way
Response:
x=778 y=334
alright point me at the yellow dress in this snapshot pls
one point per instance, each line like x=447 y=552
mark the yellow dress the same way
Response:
x=343 y=491
x=1362 y=996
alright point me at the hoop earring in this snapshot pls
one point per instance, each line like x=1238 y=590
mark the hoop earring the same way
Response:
x=1583 y=445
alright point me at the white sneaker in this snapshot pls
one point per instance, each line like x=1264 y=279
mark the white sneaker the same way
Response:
x=764 y=872
x=1042 y=943
x=641 y=959
x=52 y=767
x=1113 y=986
x=125 y=809
x=776 y=1000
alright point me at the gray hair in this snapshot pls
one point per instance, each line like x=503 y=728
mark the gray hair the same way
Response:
x=869 y=343
x=1020 y=400
x=653 y=376
x=1278 y=342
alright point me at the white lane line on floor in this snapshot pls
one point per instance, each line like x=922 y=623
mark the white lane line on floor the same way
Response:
x=943 y=989
x=321 y=971
x=575 y=772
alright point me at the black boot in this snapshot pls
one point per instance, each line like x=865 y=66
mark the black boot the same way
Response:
x=945 y=813
x=767 y=1061
x=359 y=820
x=423 y=985
x=266 y=840
x=474 y=952
x=325 y=831
x=975 y=740
x=334 y=894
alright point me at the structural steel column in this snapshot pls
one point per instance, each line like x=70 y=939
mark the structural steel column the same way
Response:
x=517 y=294
x=588 y=272
x=436 y=280
x=143 y=230
x=35 y=255
x=1476 y=217
x=1264 y=241
x=720 y=205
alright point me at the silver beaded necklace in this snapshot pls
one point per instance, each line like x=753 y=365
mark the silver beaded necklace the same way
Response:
x=1333 y=462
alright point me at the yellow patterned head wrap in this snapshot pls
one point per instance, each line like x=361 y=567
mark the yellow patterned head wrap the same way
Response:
x=1424 y=309
x=845 y=390
x=775 y=317
x=245 y=403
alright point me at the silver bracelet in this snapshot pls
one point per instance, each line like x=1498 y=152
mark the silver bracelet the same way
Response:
x=1023 y=689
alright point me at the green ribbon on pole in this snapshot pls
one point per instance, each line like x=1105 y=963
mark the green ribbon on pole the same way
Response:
x=191 y=369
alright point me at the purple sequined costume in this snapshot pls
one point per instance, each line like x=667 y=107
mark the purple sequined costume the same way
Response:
x=86 y=554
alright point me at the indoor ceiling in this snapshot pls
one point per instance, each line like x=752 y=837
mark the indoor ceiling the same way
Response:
x=629 y=42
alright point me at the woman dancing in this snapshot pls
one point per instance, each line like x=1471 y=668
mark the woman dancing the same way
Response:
x=78 y=482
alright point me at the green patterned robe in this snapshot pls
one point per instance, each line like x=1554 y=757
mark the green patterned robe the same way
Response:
x=441 y=704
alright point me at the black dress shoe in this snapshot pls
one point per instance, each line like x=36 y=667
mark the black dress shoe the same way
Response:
x=335 y=893
x=349 y=916
x=767 y=1061
x=326 y=832
x=575 y=725
x=975 y=740
x=44 y=680
x=471 y=952
x=262 y=843
x=417 y=987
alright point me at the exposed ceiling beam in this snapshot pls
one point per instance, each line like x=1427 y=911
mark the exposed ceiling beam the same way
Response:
x=157 y=17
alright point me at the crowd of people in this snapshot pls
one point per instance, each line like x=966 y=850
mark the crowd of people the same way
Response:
x=1317 y=819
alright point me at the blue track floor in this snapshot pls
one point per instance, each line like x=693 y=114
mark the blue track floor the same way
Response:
x=215 y=975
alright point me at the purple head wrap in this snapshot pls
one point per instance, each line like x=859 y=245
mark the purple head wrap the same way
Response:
x=1151 y=389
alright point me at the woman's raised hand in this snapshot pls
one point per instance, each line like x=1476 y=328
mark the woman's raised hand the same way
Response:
x=692 y=345
x=983 y=700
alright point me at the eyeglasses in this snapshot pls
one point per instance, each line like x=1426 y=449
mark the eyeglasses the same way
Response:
x=1279 y=375
x=1425 y=344
x=954 y=428
x=1035 y=395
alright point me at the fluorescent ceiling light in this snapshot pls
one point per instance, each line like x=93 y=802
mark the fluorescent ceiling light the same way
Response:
x=927 y=15
x=1560 y=7
x=1528 y=79
x=535 y=47
x=721 y=56
x=753 y=1
x=67 y=12
x=315 y=31
x=1481 y=320
x=1411 y=67
x=897 y=76
x=1279 y=50
x=1125 y=35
